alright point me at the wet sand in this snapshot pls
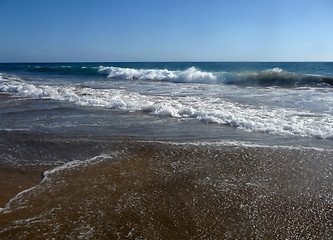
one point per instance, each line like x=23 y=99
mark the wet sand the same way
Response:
x=14 y=180
x=163 y=191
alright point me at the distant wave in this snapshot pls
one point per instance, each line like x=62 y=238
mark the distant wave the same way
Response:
x=279 y=78
x=268 y=78
x=274 y=77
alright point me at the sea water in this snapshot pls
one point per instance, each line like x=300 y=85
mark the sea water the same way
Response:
x=273 y=102
x=243 y=137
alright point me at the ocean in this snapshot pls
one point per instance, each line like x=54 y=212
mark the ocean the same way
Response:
x=166 y=150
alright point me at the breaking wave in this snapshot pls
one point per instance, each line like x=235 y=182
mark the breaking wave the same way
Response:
x=276 y=120
x=274 y=77
x=267 y=78
x=189 y=75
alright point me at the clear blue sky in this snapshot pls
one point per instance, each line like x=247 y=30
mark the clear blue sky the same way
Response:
x=160 y=30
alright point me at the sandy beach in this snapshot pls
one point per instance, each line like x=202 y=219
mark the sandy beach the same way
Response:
x=170 y=191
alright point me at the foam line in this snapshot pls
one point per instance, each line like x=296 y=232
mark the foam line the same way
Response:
x=47 y=175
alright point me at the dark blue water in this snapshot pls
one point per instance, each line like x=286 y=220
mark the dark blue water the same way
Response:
x=317 y=68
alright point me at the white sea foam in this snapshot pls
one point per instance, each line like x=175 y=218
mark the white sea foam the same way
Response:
x=230 y=143
x=19 y=198
x=189 y=75
x=269 y=119
x=276 y=70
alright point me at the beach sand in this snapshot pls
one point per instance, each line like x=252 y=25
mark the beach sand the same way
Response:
x=14 y=180
x=170 y=191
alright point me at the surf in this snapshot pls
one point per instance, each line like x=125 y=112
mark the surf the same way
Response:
x=275 y=77
x=222 y=73
x=252 y=118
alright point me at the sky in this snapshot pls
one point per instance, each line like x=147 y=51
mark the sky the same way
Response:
x=161 y=30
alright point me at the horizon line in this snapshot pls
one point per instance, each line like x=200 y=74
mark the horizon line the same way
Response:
x=33 y=62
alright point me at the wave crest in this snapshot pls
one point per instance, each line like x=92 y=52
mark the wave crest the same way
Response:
x=274 y=70
x=189 y=75
x=274 y=77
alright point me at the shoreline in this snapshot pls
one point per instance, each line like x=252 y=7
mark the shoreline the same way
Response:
x=14 y=180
